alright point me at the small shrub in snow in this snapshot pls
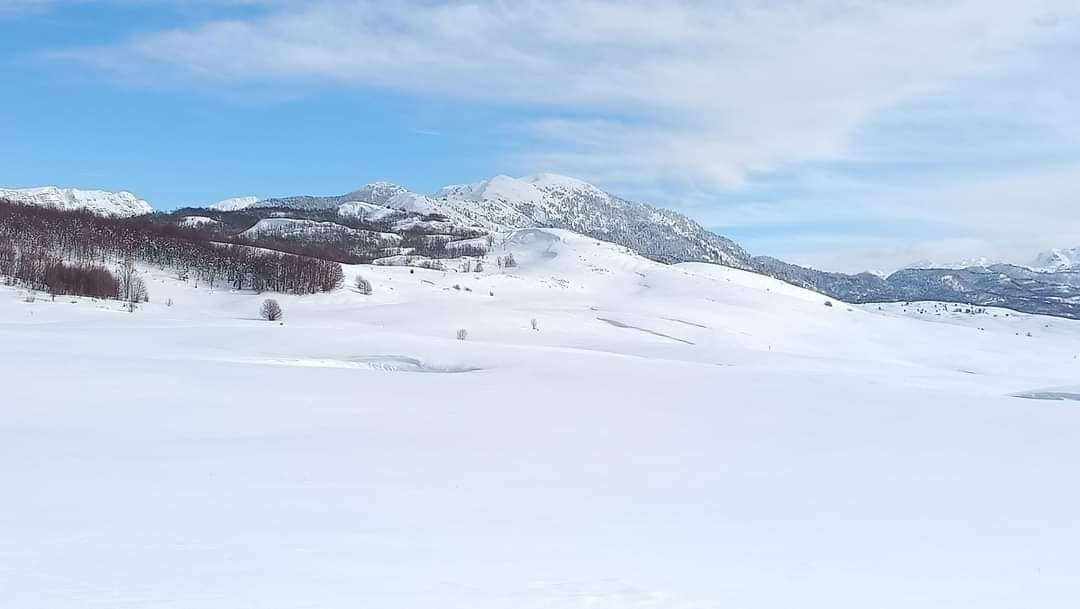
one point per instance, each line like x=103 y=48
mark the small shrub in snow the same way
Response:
x=169 y=302
x=457 y=287
x=363 y=286
x=462 y=334
x=468 y=289
x=30 y=296
x=828 y=303
x=270 y=310
x=533 y=323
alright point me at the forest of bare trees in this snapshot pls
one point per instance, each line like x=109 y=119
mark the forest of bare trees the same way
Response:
x=68 y=252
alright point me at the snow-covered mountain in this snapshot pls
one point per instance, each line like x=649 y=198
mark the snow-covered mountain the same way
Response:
x=100 y=202
x=504 y=203
x=562 y=202
x=1051 y=261
x=1056 y=260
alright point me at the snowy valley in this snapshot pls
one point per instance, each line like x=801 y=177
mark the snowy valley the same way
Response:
x=504 y=304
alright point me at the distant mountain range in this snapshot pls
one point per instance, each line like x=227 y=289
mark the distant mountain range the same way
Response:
x=1050 y=261
x=1051 y=285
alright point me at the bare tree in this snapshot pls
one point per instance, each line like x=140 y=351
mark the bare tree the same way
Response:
x=271 y=310
x=462 y=334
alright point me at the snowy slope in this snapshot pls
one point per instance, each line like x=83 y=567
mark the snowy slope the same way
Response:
x=100 y=202
x=668 y=437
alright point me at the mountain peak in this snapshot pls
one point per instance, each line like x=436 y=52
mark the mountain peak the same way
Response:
x=378 y=193
x=554 y=179
x=235 y=203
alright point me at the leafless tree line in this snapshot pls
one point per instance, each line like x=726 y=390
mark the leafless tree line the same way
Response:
x=35 y=239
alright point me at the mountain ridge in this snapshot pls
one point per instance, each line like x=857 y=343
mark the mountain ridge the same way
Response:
x=118 y=204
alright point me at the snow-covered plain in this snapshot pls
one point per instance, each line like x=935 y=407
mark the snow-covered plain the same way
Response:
x=682 y=437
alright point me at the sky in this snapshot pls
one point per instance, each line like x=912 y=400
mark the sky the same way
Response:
x=846 y=135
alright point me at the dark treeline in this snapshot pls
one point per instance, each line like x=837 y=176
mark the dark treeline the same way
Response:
x=343 y=247
x=345 y=239
x=33 y=239
x=351 y=246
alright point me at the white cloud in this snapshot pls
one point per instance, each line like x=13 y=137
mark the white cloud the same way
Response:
x=710 y=91
x=708 y=96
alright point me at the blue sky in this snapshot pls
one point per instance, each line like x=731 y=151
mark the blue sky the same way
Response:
x=177 y=143
x=844 y=135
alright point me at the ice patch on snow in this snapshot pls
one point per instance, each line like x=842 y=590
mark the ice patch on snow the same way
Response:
x=1058 y=394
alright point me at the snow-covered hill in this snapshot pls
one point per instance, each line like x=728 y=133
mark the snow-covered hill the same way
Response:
x=101 y=202
x=684 y=436
x=234 y=204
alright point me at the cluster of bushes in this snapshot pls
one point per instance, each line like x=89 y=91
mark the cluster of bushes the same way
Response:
x=93 y=281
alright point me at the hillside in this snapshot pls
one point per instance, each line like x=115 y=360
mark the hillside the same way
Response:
x=761 y=446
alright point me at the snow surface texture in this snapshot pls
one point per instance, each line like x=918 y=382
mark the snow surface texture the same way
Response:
x=669 y=437
x=103 y=203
